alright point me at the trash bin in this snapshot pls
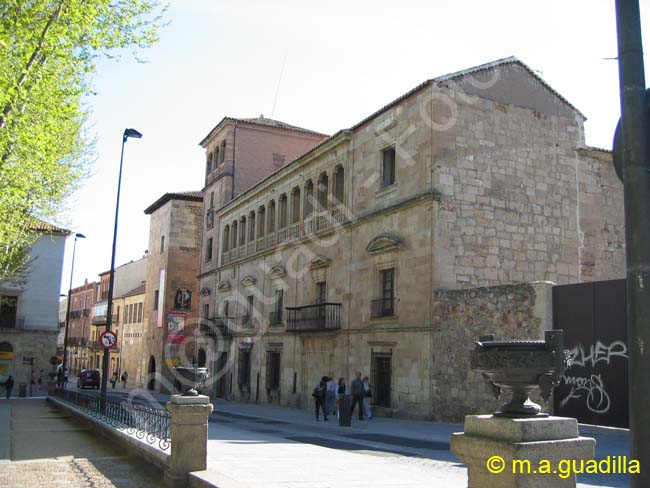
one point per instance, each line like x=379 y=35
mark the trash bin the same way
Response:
x=22 y=390
x=344 y=411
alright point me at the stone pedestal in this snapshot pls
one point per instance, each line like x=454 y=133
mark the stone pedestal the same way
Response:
x=189 y=437
x=552 y=441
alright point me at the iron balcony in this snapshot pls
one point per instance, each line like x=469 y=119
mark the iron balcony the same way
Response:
x=310 y=318
x=383 y=307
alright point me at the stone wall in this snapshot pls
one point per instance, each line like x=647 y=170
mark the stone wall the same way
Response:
x=460 y=317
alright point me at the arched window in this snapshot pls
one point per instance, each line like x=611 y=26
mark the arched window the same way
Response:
x=251 y=226
x=242 y=231
x=222 y=154
x=216 y=157
x=271 y=217
x=339 y=184
x=309 y=199
x=282 y=220
x=323 y=188
x=295 y=205
x=208 y=164
x=261 y=221
x=234 y=235
x=226 y=238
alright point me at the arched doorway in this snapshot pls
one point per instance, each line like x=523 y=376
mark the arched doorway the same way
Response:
x=6 y=360
x=151 y=370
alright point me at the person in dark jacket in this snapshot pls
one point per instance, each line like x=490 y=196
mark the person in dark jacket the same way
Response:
x=319 y=398
x=9 y=385
x=358 y=394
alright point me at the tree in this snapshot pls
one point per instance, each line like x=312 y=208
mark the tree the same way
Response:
x=48 y=49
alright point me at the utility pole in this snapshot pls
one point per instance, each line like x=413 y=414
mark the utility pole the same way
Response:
x=636 y=183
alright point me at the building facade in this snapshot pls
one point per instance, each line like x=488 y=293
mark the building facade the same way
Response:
x=334 y=263
x=29 y=310
x=131 y=339
x=80 y=332
x=171 y=305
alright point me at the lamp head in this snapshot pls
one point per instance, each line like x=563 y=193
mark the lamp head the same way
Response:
x=79 y=235
x=131 y=133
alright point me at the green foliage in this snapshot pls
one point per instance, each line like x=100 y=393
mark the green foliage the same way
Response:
x=48 y=49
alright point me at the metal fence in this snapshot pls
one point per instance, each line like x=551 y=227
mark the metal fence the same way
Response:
x=150 y=424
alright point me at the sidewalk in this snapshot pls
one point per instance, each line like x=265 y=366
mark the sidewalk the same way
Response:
x=42 y=446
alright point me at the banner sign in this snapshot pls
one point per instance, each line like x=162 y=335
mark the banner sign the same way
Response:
x=176 y=327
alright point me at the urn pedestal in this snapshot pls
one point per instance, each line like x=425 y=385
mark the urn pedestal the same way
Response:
x=532 y=452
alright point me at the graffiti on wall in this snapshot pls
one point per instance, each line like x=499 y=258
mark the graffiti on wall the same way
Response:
x=587 y=385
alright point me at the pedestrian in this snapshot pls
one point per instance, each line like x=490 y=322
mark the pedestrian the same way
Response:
x=124 y=378
x=319 y=398
x=114 y=379
x=341 y=391
x=33 y=379
x=367 y=396
x=330 y=398
x=40 y=379
x=60 y=378
x=357 y=395
x=9 y=385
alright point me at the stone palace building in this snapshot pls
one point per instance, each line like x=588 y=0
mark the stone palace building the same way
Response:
x=332 y=260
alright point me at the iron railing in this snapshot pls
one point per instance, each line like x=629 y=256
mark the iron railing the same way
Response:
x=383 y=307
x=217 y=326
x=322 y=316
x=151 y=424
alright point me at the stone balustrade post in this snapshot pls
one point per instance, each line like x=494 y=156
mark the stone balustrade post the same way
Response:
x=189 y=437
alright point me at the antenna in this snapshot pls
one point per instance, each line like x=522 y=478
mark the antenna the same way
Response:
x=277 y=90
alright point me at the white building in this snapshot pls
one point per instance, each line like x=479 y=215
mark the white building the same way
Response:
x=29 y=312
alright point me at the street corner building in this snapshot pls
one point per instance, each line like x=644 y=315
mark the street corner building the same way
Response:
x=29 y=309
x=390 y=246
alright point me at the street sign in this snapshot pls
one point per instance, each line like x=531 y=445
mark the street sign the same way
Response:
x=108 y=339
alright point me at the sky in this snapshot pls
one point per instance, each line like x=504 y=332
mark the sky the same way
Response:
x=319 y=65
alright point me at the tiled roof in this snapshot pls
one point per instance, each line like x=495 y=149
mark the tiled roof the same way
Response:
x=264 y=121
x=195 y=196
x=462 y=73
x=138 y=290
x=47 y=228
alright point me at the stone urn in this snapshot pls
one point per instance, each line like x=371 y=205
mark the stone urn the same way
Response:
x=192 y=378
x=521 y=366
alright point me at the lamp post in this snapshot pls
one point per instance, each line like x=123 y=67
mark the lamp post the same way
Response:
x=67 y=313
x=109 y=309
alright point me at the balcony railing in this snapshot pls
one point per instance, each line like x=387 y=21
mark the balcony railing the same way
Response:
x=86 y=312
x=383 y=307
x=219 y=326
x=261 y=243
x=251 y=248
x=294 y=231
x=282 y=235
x=246 y=319
x=225 y=257
x=323 y=316
x=271 y=240
x=275 y=318
x=77 y=341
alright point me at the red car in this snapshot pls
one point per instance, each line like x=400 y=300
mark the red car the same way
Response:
x=88 y=377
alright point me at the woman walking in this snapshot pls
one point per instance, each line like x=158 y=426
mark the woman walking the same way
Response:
x=366 y=397
x=330 y=396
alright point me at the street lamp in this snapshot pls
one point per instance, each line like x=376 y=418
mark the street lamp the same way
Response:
x=109 y=309
x=67 y=313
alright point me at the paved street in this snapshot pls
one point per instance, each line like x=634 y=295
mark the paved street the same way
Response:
x=42 y=446
x=287 y=448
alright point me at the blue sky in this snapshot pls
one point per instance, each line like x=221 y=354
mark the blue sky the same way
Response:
x=342 y=61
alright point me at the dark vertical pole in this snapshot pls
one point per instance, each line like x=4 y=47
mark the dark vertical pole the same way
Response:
x=109 y=308
x=636 y=178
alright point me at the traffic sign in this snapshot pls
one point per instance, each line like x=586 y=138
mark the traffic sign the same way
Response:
x=108 y=339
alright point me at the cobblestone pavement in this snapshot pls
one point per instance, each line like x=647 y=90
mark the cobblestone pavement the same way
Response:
x=48 y=449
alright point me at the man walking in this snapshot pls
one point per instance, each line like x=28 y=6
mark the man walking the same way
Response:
x=9 y=385
x=358 y=393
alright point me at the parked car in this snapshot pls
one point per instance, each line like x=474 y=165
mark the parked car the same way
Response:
x=88 y=377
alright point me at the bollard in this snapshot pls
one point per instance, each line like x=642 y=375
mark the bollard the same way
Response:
x=344 y=411
x=189 y=437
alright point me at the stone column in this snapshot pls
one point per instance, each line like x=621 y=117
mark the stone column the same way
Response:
x=526 y=448
x=189 y=437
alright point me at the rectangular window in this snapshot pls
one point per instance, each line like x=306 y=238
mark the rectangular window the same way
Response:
x=222 y=152
x=156 y=294
x=140 y=312
x=388 y=283
x=388 y=166
x=211 y=199
x=279 y=303
x=8 y=312
x=118 y=314
x=206 y=310
x=321 y=292
x=208 y=251
x=244 y=368
x=273 y=370
x=162 y=244
x=226 y=309
x=250 y=301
